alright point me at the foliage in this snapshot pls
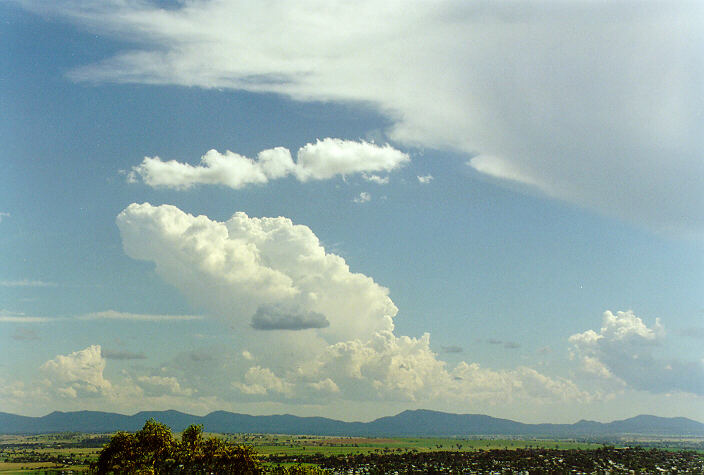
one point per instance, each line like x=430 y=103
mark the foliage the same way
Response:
x=154 y=450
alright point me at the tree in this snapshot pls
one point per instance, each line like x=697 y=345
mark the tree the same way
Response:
x=153 y=450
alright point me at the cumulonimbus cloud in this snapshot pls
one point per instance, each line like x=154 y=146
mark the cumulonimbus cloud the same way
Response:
x=550 y=95
x=321 y=160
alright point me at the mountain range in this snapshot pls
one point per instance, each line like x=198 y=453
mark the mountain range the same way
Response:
x=408 y=423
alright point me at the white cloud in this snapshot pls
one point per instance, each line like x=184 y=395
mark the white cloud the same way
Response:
x=247 y=266
x=623 y=354
x=363 y=197
x=161 y=385
x=376 y=179
x=260 y=381
x=78 y=374
x=322 y=160
x=235 y=267
x=425 y=179
x=113 y=315
x=13 y=317
x=596 y=103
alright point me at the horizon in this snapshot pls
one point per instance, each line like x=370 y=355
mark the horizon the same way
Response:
x=352 y=211
x=358 y=421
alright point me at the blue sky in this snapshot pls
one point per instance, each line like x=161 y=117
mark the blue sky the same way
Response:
x=474 y=209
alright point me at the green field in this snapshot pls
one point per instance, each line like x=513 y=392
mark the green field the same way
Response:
x=306 y=445
x=40 y=453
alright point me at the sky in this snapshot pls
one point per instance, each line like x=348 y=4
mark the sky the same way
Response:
x=350 y=210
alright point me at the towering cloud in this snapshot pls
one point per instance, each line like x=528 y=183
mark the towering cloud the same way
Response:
x=264 y=271
x=623 y=353
x=270 y=274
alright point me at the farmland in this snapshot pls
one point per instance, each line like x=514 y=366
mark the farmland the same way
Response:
x=55 y=453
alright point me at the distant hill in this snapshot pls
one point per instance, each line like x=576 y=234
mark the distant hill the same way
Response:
x=408 y=423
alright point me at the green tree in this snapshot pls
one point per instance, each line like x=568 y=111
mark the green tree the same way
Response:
x=153 y=450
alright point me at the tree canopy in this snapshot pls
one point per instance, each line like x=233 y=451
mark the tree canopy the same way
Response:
x=154 y=450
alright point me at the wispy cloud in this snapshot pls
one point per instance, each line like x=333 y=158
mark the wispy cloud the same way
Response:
x=26 y=283
x=24 y=319
x=121 y=355
x=509 y=345
x=114 y=315
x=452 y=349
x=479 y=104
x=4 y=215
x=425 y=179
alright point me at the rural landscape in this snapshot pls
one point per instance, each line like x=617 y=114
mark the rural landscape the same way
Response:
x=351 y=237
x=641 y=445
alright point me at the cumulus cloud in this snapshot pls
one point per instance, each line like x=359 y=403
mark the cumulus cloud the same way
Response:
x=379 y=180
x=269 y=317
x=622 y=353
x=271 y=273
x=425 y=179
x=260 y=381
x=363 y=197
x=234 y=268
x=161 y=385
x=78 y=374
x=113 y=315
x=322 y=160
x=596 y=103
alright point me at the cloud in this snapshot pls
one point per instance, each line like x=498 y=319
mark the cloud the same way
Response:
x=425 y=179
x=78 y=374
x=274 y=318
x=550 y=94
x=260 y=381
x=121 y=355
x=509 y=345
x=234 y=268
x=25 y=334
x=622 y=353
x=319 y=161
x=452 y=349
x=4 y=215
x=376 y=179
x=161 y=385
x=363 y=197
x=269 y=272
x=113 y=315
x=12 y=317
x=26 y=283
